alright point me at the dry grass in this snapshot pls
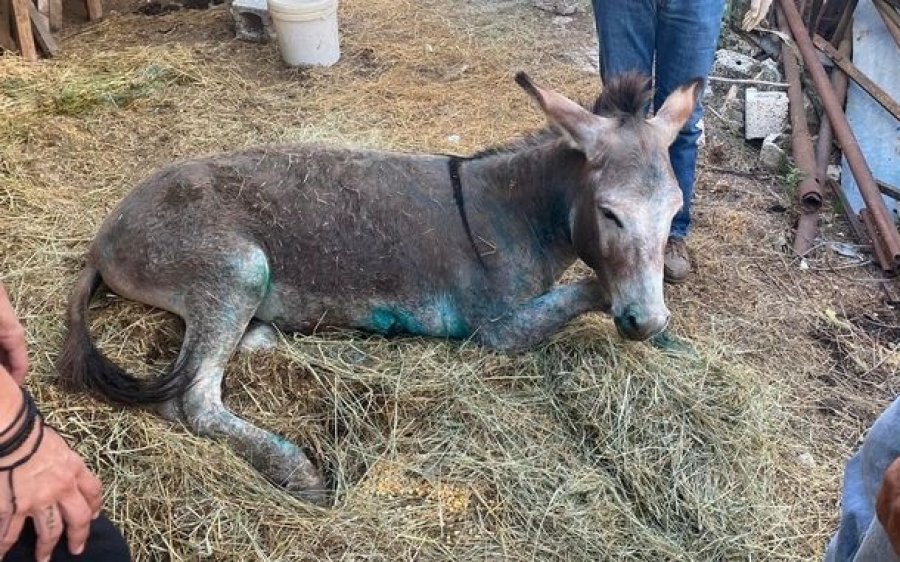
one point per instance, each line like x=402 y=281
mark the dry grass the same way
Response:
x=586 y=449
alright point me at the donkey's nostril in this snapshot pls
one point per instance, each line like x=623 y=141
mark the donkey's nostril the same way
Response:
x=631 y=322
x=632 y=317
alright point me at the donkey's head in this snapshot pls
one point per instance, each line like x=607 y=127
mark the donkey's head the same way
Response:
x=626 y=193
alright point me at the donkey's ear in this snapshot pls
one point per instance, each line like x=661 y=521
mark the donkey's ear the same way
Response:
x=581 y=127
x=677 y=109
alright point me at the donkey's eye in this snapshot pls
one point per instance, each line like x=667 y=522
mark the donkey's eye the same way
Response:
x=607 y=212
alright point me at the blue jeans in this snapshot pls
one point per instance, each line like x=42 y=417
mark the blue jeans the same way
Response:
x=682 y=34
x=860 y=537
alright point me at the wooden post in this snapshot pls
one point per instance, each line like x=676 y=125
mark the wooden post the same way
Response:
x=7 y=43
x=42 y=31
x=95 y=9
x=56 y=15
x=23 y=30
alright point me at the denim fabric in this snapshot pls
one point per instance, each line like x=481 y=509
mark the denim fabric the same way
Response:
x=860 y=537
x=105 y=544
x=682 y=34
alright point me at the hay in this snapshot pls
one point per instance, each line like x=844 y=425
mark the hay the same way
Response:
x=588 y=448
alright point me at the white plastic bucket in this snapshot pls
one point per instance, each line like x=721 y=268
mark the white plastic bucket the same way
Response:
x=306 y=30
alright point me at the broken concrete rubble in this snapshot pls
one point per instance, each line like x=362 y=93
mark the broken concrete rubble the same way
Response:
x=559 y=7
x=771 y=155
x=732 y=64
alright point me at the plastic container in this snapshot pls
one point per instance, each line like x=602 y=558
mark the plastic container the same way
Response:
x=306 y=31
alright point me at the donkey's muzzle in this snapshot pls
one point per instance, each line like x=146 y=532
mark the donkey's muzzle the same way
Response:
x=635 y=323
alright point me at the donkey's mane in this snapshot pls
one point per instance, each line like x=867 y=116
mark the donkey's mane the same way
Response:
x=626 y=95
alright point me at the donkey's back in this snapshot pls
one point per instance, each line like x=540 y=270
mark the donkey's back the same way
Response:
x=334 y=234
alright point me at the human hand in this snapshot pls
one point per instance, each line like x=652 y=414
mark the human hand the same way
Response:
x=888 y=505
x=13 y=346
x=755 y=14
x=55 y=489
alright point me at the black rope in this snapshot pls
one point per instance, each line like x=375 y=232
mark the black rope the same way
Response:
x=8 y=469
x=30 y=418
x=18 y=417
x=12 y=444
x=453 y=165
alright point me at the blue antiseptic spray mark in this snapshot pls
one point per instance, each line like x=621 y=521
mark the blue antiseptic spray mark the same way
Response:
x=453 y=325
x=440 y=318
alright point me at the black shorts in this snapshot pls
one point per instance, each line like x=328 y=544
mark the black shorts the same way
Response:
x=105 y=544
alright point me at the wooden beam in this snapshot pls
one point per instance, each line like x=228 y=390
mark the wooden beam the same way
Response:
x=42 y=13
x=7 y=43
x=56 y=15
x=95 y=9
x=23 y=30
x=41 y=26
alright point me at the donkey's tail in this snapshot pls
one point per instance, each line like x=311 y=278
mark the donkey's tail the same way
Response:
x=83 y=367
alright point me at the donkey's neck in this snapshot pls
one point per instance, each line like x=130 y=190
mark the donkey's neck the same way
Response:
x=535 y=186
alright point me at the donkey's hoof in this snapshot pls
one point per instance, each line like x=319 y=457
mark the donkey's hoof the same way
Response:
x=319 y=498
x=259 y=337
x=309 y=487
x=170 y=410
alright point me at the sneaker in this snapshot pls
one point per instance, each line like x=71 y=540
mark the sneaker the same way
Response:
x=677 y=264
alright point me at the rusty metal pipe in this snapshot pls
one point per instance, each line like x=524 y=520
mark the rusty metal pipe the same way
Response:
x=839 y=82
x=886 y=263
x=823 y=144
x=890 y=20
x=867 y=188
x=843 y=25
x=808 y=191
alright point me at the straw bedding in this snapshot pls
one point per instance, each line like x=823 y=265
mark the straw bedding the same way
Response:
x=588 y=448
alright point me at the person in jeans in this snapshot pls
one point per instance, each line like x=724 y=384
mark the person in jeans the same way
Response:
x=46 y=491
x=674 y=41
x=870 y=506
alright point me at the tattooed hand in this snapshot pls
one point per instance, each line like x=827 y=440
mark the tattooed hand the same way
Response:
x=54 y=488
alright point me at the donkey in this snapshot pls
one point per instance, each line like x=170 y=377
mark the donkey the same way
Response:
x=307 y=237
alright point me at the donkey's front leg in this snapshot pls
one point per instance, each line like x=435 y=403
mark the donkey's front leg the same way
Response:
x=534 y=321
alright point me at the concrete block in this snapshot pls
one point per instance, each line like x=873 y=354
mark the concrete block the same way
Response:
x=771 y=155
x=765 y=113
x=252 y=21
x=733 y=64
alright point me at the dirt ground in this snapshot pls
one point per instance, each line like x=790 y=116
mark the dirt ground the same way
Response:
x=811 y=343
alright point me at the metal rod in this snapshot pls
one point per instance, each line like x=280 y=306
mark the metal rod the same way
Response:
x=846 y=17
x=867 y=188
x=881 y=253
x=890 y=20
x=823 y=143
x=888 y=189
x=747 y=81
x=866 y=83
x=808 y=191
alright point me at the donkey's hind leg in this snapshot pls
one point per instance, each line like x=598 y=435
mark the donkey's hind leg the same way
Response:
x=217 y=314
